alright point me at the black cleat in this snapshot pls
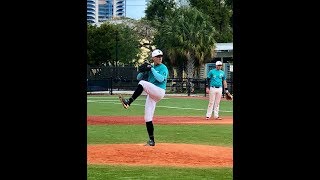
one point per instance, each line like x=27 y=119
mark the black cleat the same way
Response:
x=125 y=102
x=150 y=143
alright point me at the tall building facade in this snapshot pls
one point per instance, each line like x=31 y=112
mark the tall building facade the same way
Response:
x=111 y=9
x=119 y=8
x=105 y=10
x=101 y=10
x=92 y=11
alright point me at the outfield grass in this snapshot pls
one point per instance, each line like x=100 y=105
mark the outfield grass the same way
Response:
x=220 y=135
x=110 y=106
x=96 y=172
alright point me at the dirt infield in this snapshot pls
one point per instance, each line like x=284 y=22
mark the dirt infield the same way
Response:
x=163 y=154
x=102 y=120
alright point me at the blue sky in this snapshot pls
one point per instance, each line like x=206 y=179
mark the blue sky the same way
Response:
x=135 y=8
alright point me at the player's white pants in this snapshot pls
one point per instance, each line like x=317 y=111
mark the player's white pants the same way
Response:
x=154 y=94
x=214 y=101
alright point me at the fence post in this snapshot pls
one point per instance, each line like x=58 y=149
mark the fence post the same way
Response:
x=111 y=85
x=188 y=86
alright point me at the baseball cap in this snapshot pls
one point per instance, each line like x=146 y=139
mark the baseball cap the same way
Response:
x=218 y=63
x=157 y=52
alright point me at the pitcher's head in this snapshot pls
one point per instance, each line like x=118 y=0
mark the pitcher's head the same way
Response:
x=157 y=55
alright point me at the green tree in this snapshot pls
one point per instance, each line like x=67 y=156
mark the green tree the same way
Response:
x=158 y=10
x=90 y=40
x=128 y=45
x=98 y=46
x=230 y=5
x=111 y=44
x=220 y=12
x=190 y=34
x=145 y=32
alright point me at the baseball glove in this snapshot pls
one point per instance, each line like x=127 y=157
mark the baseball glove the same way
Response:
x=145 y=67
x=229 y=96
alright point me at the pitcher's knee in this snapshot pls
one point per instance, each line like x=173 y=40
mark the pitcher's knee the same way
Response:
x=142 y=82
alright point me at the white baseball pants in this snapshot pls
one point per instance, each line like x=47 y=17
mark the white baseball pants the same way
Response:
x=154 y=94
x=214 y=101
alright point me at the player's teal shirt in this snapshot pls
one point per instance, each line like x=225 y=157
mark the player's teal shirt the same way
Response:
x=216 y=77
x=157 y=76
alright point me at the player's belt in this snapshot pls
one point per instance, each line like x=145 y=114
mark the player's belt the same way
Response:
x=216 y=86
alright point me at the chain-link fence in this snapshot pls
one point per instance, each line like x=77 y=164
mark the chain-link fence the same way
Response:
x=108 y=79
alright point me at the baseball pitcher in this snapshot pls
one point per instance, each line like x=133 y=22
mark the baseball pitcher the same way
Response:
x=155 y=87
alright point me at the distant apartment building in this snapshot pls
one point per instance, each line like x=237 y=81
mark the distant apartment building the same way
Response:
x=105 y=10
x=110 y=9
x=119 y=8
x=92 y=11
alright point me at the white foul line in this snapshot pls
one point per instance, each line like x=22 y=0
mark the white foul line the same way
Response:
x=170 y=107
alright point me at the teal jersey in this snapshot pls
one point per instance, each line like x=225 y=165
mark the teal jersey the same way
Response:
x=162 y=74
x=216 y=77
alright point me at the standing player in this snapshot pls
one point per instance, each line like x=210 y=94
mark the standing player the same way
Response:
x=215 y=79
x=155 y=88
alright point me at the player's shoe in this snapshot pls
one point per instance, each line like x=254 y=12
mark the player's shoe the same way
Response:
x=150 y=143
x=124 y=102
x=218 y=118
x=207 y=118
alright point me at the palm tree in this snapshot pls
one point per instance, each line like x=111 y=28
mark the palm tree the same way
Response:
x=189 y=33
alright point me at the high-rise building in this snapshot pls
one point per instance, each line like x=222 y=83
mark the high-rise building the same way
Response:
x=92 y=11
x=105 y=9
x=119 y=8
x=111 y=9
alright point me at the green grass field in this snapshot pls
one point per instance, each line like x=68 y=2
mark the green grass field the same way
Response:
x=111 y=106
x=220 y=135
x=98 y=172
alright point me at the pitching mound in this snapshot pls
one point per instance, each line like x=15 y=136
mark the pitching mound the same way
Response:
x=100 y=120
x=163 y=154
